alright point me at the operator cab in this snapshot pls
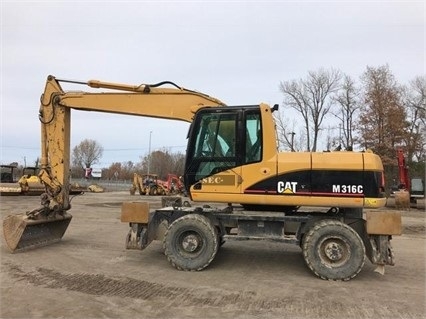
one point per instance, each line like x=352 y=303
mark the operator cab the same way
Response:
x=220 y=139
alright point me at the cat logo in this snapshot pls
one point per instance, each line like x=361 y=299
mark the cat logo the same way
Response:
x=286 y=187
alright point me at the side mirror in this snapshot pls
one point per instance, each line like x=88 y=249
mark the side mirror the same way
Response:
x=275 y=108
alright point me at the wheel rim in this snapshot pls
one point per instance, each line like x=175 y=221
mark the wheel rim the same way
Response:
x=334 y=251
x=190 y=243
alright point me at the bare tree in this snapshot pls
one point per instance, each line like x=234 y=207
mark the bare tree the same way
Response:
x=113 y=172
x=415 y=103
x=417 y=97
x=333 y=141
x=120 y=171
x=163 y=162
x=347 y=100
x=178 y=163
x=37 y=162
x=87 y=153
x=312 y=98
x=289 y=136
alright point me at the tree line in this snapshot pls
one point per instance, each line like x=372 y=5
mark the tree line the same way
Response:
x=160 y=162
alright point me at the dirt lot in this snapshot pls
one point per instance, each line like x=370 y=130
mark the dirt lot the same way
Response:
x=89 y=274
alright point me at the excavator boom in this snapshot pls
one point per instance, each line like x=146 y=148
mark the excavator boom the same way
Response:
x=49 y=222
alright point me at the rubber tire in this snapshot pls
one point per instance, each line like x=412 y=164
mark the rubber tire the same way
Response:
x=153 y=191
x=320 y=264
x=195 y=225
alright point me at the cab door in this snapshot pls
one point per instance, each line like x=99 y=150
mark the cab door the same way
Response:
x=214 y=154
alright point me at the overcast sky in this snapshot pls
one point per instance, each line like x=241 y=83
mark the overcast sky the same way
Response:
x=237 y=51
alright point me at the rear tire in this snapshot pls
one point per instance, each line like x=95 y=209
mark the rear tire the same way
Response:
x=191 y=242
x=333 y=250
x=153 y=191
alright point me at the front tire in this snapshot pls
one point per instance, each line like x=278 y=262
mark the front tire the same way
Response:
x=191 y=242
x=333 y=250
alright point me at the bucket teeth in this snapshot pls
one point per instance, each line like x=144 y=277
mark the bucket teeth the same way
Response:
x=22 y=233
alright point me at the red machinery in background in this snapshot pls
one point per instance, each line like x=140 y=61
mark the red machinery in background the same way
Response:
x=404 y=180
x=414 y=186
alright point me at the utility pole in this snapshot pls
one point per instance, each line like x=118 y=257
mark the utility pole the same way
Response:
x=149 y=151
x=292 y=141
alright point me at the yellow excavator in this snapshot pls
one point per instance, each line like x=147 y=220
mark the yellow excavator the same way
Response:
x=312 y=199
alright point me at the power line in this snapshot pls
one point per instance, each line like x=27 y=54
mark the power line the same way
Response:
x=140 y=148
x=105 y=149
x=21 y=147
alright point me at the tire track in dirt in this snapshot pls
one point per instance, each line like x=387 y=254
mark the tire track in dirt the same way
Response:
x=101 y=285
x=414 y=229
x=172 y=296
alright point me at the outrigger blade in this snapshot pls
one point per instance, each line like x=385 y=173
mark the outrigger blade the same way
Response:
x=23 y=233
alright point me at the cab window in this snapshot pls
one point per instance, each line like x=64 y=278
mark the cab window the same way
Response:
x=253 y=147
x=215 y=144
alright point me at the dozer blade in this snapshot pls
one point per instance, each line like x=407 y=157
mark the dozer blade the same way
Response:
x=22 y=233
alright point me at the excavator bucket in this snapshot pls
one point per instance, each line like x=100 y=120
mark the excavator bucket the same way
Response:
x=22 y=233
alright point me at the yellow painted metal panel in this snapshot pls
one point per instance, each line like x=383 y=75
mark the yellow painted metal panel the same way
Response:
x=384 y=223
x=135 y=212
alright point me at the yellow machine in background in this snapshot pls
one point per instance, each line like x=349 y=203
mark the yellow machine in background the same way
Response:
x=29 y=184
x=314 y=200
x=147 y=184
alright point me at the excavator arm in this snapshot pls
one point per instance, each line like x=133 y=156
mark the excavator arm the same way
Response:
x=154 y=100
x=142 y=100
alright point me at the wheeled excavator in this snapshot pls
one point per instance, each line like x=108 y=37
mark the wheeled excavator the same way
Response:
x=325 y=202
